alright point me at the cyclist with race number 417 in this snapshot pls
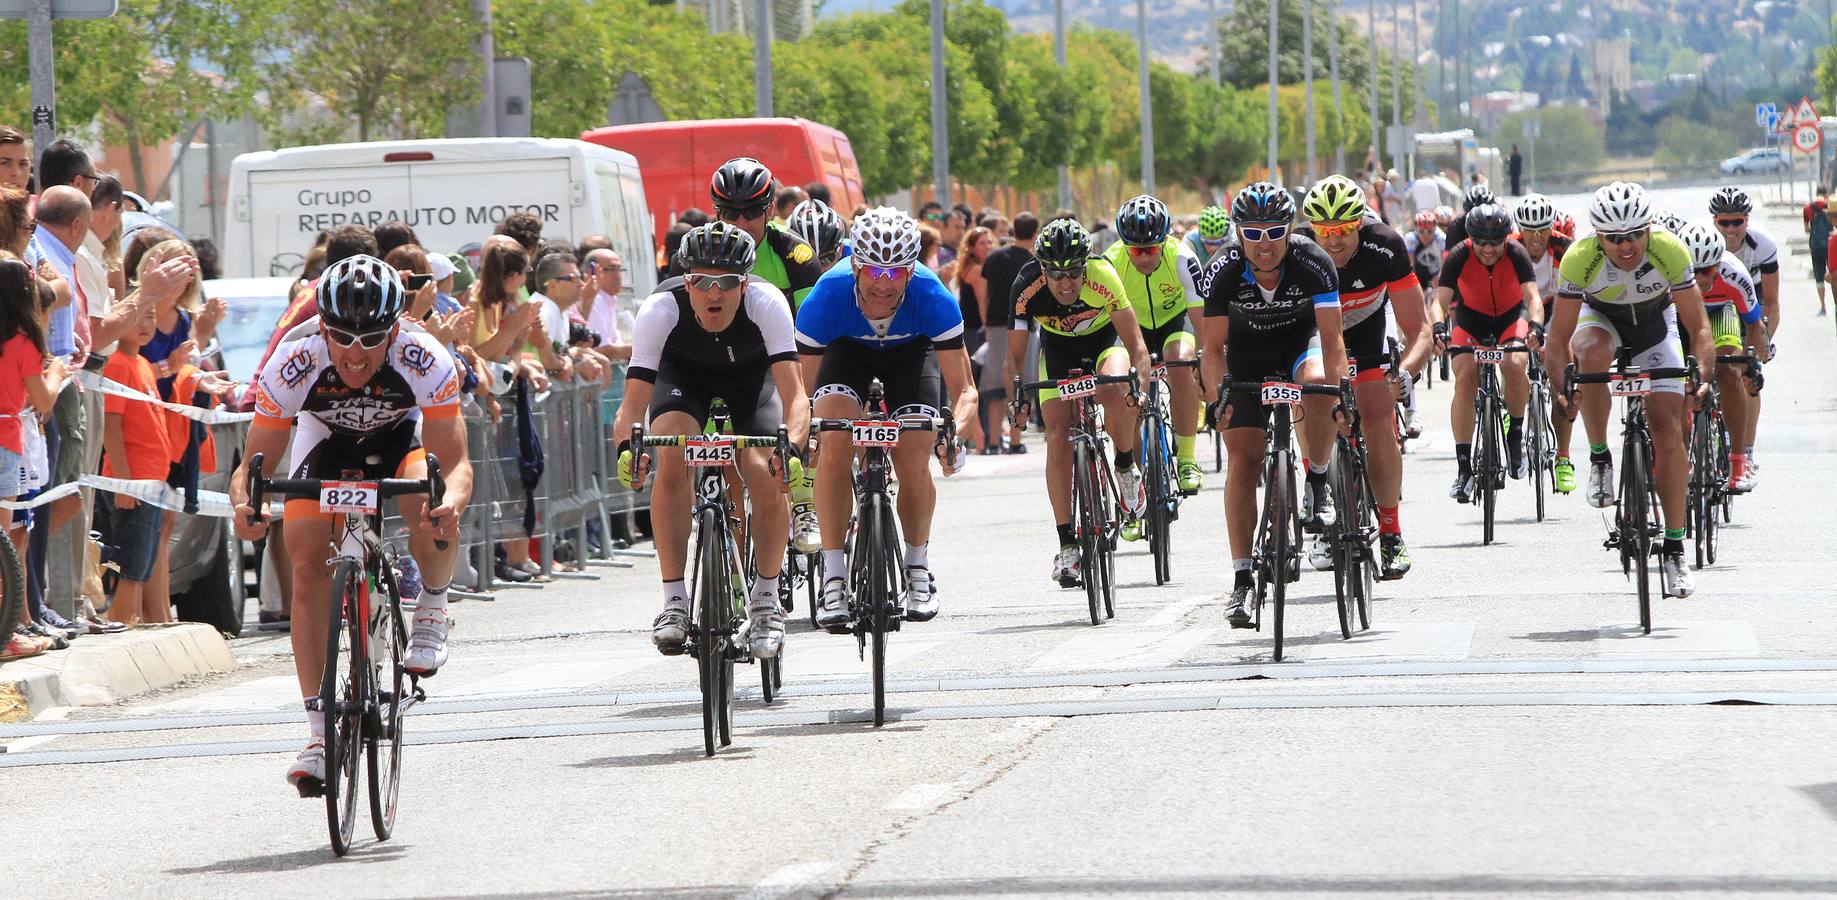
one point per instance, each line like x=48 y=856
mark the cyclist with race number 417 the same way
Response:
x=367 y=395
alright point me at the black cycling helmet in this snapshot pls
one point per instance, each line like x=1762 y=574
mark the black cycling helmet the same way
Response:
x=1488 y=222
x=1262 y=203
x=741 y=183
x=1062 y=244
x=818 y=226
x=360 y=294
x=717 y=245
x=1480 y=195
x=1732 y=201
x=1143 y=222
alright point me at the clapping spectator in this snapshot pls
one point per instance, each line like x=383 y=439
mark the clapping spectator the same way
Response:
x=139 y=448
x=603 y=309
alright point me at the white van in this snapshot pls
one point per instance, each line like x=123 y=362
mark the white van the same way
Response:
x=453 y=192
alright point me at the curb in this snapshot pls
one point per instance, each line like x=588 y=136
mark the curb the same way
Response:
x=100 y=669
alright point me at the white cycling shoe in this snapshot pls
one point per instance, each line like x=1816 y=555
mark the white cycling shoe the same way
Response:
x=921 y=595
x=1679 y=582
x=832 y=614
x=1601 y=484
x=805 y=535
x=308 y=772
x=671 y=629
x=1130 y=491
x=1066 y=566
x=765 y=628
x=427 y=643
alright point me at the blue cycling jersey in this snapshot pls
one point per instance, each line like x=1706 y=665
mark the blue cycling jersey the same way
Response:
x=830 y=313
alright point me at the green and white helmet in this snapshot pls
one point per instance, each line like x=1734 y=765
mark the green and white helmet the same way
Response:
x=1334 y=199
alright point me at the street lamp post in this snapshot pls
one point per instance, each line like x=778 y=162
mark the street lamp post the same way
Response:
x=1058 y=55
x=940 y=125
x=762 y=57
x=1339 y=111
x=1148 y=124
x=1307 y=79
x=1272 y=88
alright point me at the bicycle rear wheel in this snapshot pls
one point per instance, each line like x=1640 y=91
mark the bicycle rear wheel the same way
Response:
x=1284 y=532
x=883 y=577
x=1541 y=435
x=712 y=599
x=1700 y=506
x=1340 y=539
x=1086 y=513
x=342 y=693
x=383 y=749
x=1487 y=462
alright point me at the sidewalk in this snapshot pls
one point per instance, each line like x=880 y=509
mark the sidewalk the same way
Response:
x=105 y=668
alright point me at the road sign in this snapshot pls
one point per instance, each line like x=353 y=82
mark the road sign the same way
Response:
x=1804 y=112
x=1764 y=114
x=1807 y=138
x=60 y=9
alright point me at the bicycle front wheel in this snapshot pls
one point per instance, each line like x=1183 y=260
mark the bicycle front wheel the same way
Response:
x=1487 y=462
x=884 y=583
x=1160 y=497
x=1542 y=437
x=342 y=696
x=383 y=750
x=1087 y=515
x=1636 y=541
x=710 y=628
x=1284 y=535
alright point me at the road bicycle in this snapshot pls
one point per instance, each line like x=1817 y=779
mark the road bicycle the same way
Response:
x=365 y=691
x=876 y=565
x=1160 y=467
x=1351 y=538
x=1711 y=502
x=1489 y=454
x=1095 y=505
x=1540 y=435
x=719 y=625
x=1277 y=550
x=1637 y=512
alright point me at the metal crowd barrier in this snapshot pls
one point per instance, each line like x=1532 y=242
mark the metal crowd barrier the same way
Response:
x=577 y=493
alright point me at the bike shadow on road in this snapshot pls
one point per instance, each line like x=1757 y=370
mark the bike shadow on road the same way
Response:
x=372 y=852
x=665 y=758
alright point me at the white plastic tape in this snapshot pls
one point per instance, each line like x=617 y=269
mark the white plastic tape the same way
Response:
x=92 y=381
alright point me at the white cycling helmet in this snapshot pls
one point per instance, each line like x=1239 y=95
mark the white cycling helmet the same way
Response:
x=1669 y=221
x=884 y=236
x=1621 y=206
x=1535 y=211
x=1705 y=245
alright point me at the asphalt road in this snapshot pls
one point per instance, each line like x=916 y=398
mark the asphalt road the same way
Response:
x=1503 y=729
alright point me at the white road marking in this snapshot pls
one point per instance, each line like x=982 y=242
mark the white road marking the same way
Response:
x=557 y=674
x=921 y=797
x=1689 y=638
x=1109 y=647
x=787 y=880
x=840 y=655
x=1171 y=614
x=270 y=692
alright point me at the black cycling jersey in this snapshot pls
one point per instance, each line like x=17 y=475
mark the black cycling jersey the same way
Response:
x=667 y=335
x=1308 y=280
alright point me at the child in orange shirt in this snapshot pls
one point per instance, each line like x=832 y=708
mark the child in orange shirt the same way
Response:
x=138 y=446
x=28 y=378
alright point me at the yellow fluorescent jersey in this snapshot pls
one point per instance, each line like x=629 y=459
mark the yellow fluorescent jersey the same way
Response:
x=1623 y=295
x=1166 y=292
x=1100 y=298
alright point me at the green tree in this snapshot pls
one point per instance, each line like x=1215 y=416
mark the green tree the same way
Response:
x=385 y=66
x=1570 y=142
x=154 y=69
x=1682 y=141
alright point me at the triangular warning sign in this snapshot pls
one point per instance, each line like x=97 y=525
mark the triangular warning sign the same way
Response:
x=1804 y=113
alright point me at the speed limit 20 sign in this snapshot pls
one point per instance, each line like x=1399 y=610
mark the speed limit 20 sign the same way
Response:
x=1807 y=138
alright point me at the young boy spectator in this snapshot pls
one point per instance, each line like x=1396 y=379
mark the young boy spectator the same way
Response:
x=138 y=446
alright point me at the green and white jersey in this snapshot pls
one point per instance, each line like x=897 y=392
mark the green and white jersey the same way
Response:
x=1619 y=294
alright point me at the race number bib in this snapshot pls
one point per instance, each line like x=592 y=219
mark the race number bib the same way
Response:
x=875 y=434
x=1158 y=373
x=1489 y=356
x=348 y=497
x=1276 y=393
x=1637 y=386
x=1073 y=388
x=706 y=452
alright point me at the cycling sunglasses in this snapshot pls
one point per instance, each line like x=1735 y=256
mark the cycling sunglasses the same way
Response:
x=1147 y=250
x=726 y=282
x=736 y=213
x=1735 y=222
x=1263 y=233
x=883 y=273
x=1335 y=229
x=1063 y=274
x=369 y=340
x=1535 y=232
x=1621 y=237
x=1497 y=243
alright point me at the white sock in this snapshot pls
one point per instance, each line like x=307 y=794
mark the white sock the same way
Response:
x=315 y=718
x=431 y=598
x=918 y=555
x=1315 y=468
x=1243 y=565
x=765 y=589
x=675 y=593
x=835 y=564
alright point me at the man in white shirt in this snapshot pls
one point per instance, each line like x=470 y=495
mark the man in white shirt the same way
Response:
x=605 y=311
x=558 y=286
x=1425 y=193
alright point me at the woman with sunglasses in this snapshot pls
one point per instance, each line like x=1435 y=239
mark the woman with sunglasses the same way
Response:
x=1631 y=285
x=1086 y=324
x=713 y=333
x=883 y=317
x=1378 y=290
x=371 y=396
x=1272 y=308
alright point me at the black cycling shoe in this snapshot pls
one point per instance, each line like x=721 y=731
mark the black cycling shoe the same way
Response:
x=1237 y=611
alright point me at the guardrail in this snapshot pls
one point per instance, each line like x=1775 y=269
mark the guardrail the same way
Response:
x=578 y=490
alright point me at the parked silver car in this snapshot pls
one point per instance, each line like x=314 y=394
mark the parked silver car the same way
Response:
x=1758 y=160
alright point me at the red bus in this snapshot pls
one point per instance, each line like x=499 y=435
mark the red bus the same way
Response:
x=676 y=159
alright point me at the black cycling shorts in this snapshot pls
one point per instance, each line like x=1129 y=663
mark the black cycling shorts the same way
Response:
x=1368 y=344
x=1061 y=355
x=1257 y=358
x=752 y=402
x=1156 y=337
x=908 y=373
x=384 y=454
